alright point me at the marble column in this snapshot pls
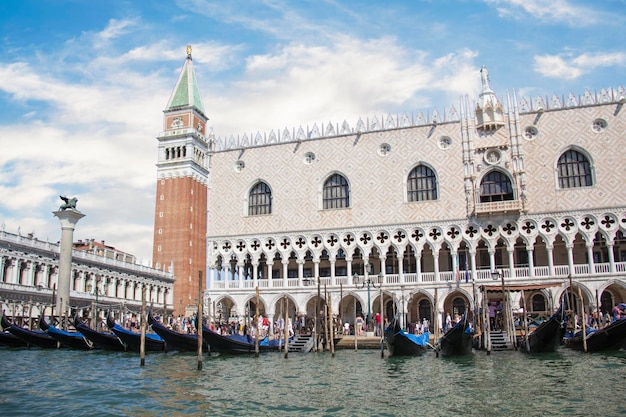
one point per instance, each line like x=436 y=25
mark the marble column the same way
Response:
x=68 y=219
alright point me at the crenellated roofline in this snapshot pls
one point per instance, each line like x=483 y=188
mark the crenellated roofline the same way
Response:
x=399 y=121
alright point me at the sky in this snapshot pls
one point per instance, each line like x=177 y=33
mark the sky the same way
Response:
x=83 y=83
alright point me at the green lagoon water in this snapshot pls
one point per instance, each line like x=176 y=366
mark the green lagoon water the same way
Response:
x=97 y=383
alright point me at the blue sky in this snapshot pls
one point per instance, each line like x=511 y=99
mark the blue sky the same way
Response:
x=83 y=83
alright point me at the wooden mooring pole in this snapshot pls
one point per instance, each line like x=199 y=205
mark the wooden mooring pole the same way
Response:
x=582 y=318
x=142 y=340
x=382 y=320
x=285 y=327
x=199 y=320
x=332 y=326
x=258 y=325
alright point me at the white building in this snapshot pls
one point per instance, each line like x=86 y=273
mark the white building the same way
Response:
x=430 y=209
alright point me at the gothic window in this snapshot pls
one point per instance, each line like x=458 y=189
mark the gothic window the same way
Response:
x=495 y=186
x=574 y=170
x=422 y=184
x=260 y=200
x=538 y=302
x=336 y=192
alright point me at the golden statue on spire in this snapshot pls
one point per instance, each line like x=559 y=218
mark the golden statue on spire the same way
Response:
x=188 y=51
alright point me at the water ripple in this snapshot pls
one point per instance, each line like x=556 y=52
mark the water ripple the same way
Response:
x=73 y=383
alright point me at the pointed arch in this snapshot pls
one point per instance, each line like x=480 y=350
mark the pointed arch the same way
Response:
x=336 y=192
x=260 y=199
x=574 y=169
x=422 y=184
x=496 y=186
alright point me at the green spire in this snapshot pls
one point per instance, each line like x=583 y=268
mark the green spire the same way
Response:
x=186 y=93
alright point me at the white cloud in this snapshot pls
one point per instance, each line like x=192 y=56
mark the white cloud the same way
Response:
x=570 y=67
x=600 y=59
x=554 y=66
x=300 y=84
x=115 y=29
x=554 y=11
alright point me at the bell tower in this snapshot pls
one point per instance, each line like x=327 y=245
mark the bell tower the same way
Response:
x=180 y=217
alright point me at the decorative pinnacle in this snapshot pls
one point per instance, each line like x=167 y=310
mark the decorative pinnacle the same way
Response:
x=189 y=51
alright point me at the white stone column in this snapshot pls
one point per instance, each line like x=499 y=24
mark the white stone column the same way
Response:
x=349 y=271
x=609 y=246
x=300 y=263
x=285 y=263
x=400 y=257
x=436 y=265
x=2 y=263
x=418 y=266
x=68 y=219
x=570 y=258
x=31 y=276
x=592 y=267
x=492 y=259
x=511 y=263
x=531 y=262
x=472 y=256
x=255 y=273
x=269 y=264
x=455 y=265
x=549 y=250
x=240 y=272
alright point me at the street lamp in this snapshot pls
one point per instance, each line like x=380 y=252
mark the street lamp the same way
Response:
x=367 y=281
x=495 y=274
x=219 y=313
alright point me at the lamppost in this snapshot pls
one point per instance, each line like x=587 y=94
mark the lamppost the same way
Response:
x=97 y=292
x=367 y=282
x=495 y=274
x=219 y=313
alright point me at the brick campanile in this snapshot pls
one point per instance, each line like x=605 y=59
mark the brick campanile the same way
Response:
x=180 y=217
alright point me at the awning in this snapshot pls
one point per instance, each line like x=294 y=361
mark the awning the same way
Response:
x=520 y=287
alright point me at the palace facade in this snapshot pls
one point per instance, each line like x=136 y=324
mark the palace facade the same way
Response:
x=430 y=212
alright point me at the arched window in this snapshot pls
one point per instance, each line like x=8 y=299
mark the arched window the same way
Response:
x=422 y=184
x=458 y=306
x=574 y=170
x=495 y=186
x=260 y=200
x=336 y=192
x=539 y=302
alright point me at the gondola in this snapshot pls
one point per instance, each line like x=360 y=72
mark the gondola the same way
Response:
x=401 y=343
x=612 y=336
x=153 y=342
x=457 y=341
x=8 y=339
x=37 y=338
x=173 y=340
x=103 y=340
x=235 y=343
x=72 y=340
x=547 y=336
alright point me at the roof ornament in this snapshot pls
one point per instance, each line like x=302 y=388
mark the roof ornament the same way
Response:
x=489 y=111
x=69 y=203
x=484 y=78
x=188 y=51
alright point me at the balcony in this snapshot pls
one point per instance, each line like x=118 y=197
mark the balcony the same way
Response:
x=516 y=275
x=508 y=206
